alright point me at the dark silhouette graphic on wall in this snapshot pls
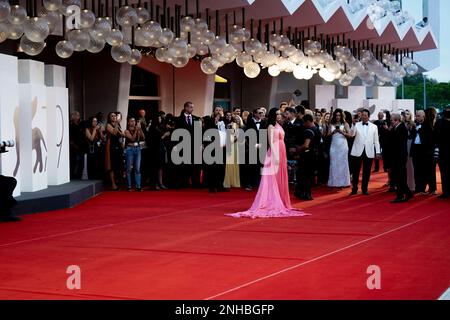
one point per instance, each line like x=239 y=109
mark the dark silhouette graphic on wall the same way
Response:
x=59 y=145
x=37 y=138
x=16 y=128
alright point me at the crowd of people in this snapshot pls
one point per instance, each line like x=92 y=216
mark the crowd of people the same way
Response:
x=323 y=148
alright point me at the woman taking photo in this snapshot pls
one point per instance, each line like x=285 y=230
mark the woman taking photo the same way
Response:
x=339 y=131
x=94 y=138
x=113 y=149
x=133 y=137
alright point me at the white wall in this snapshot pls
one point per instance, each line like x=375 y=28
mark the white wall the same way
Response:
x=33 y=126
x=58 y=125
x=9 y=117
x=34 y=112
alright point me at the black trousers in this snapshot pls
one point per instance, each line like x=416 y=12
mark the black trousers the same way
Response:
x=76 y=165
x=252 y=175
x=423 y=164
x=377 y=165
x=95 y=169
x=444 y=167
x=367 y=166
x=7 y=186
x=432 y=182
x=189 y=175
x=399 y=179
x=214 y=176
x=305 y=175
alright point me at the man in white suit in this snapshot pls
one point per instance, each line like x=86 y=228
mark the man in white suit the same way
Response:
x=365 y=148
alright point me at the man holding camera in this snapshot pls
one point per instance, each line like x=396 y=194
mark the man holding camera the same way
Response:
x=7 y=186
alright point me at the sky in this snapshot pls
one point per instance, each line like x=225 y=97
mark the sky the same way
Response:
x=414 y=7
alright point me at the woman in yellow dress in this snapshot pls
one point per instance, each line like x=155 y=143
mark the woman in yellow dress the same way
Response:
x=232 y=177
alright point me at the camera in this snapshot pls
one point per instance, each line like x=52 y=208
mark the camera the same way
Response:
x=6 y=144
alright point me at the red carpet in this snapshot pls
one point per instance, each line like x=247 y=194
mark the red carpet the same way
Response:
x=179 y=245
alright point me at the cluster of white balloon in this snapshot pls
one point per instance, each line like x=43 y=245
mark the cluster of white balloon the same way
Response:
x=196 y=39
x=282 y=56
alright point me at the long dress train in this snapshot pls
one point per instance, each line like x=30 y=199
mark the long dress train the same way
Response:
x=272 y=199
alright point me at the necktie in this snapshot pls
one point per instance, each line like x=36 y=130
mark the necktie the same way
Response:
x=190 y=120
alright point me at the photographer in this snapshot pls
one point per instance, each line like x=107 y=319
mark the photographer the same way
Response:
x=7 y=186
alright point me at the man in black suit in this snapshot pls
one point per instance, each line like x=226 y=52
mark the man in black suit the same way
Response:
x=422 y=151
x=292 y=129
x=380 y=123
x=252 y=172
x=307 y=154
x=189 y=171
x=399 y=139
x=215 y=172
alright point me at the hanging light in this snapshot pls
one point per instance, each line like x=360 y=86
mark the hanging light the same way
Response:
x=274 y=71
x=252 y=70
x=243 y=58
x=4 y=31
x=101 y=29
x=121 y=53
x=166 y=36
x=36 y=29
x=126 y=16
x=52 y=5
x=87 y=19
x=187 y=24
x=299 y=72
x=209 y=66
x=142 y=15
x=31 y=48
x=5 y=9
x=96 y=45
x=135 y=57
x=17 y=15
x=80 y=39
x=412 y=69
x=180 y=62
x=114 y=38
x=64 y=49
x=154 y=30
x=160 y=54
x=15 y=31
x=178 y=48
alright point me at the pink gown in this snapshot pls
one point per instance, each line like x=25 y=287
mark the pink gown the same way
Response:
x=272 y=199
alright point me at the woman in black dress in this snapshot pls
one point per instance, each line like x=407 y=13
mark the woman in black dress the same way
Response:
x=113 y=150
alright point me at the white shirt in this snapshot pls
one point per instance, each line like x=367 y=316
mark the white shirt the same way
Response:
x=366 y=128
x=418 y=141
x=188 y=118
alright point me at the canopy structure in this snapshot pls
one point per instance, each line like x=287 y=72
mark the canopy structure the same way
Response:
x=328 y=17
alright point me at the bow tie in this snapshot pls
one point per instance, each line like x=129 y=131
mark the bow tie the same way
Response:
x=258 y=122
x=365 y=124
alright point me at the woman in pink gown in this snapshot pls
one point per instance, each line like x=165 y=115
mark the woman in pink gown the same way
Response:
x=272 y=199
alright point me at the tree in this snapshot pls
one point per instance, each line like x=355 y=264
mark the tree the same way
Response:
x=438 y=93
